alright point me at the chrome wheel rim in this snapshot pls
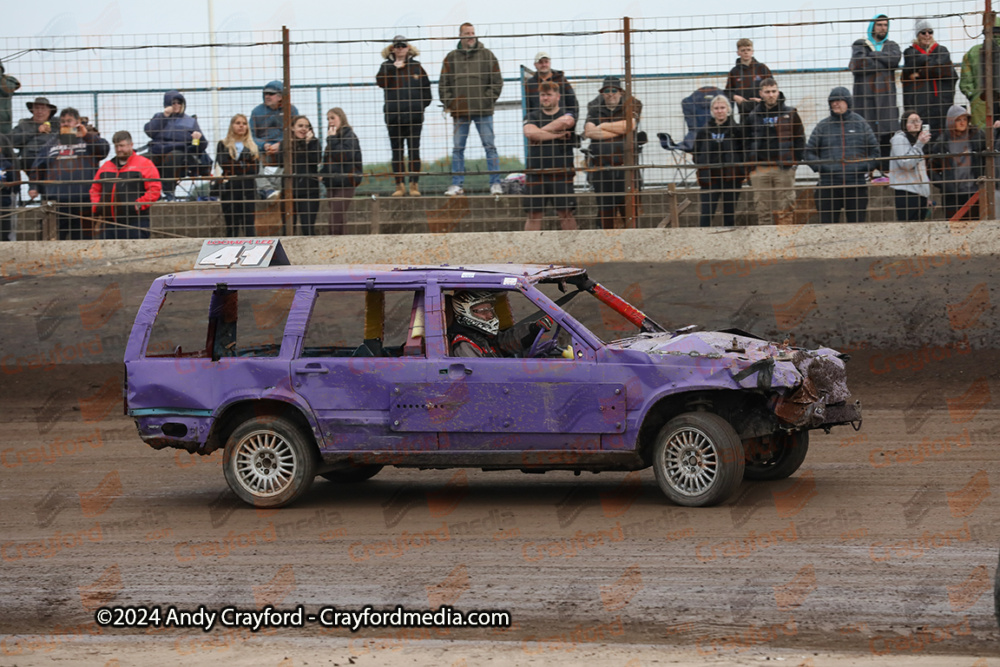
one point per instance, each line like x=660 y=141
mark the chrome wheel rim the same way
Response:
x=691 y=461
x=265 y=463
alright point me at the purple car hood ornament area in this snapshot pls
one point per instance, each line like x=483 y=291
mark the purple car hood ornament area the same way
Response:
x=336 y=371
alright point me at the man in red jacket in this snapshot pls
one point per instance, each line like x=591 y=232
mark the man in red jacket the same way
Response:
x=123 y=189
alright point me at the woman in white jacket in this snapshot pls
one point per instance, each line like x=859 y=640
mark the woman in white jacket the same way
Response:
x=908 y=172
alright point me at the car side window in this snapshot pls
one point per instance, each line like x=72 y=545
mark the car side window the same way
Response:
x=511 y=307
x=181 y=326
x=360 y=323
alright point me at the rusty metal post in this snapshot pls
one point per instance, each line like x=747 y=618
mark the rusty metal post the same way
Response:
x=287 y=205
x=50 y=222
x=629 y=127
x=987 y=208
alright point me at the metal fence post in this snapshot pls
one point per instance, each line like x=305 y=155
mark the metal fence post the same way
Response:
x=629 y=127
x=987 y=208
x=287 y=205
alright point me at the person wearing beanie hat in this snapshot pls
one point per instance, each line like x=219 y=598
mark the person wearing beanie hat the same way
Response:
x=874 y=60
x=928 y=77
x=842 y=149
x=8 y=86
x=956 y=162
x=407 y=93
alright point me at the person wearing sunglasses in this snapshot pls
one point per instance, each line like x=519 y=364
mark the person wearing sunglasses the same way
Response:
x=928 y=77
x=407 y=93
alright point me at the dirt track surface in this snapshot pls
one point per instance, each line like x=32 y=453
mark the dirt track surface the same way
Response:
x=880 y=550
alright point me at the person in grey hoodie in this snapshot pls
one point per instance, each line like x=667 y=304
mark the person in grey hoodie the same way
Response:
x=267 y=127
x=908 y=171
x=842 y=149
x=957 y=161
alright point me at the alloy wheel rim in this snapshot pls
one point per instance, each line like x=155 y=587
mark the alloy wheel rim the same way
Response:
x=265 y=463
x=691 y=461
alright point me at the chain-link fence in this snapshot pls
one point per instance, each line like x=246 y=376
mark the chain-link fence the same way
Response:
x=385 y=110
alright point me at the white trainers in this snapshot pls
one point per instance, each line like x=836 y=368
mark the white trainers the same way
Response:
x=454 y=190
x=496 y=189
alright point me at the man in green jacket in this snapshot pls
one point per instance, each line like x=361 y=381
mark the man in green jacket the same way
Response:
x=469 y=87
x=973 y=80
x=8 y=86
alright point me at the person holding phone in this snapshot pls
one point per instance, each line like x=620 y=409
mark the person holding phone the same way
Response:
x=908 y=170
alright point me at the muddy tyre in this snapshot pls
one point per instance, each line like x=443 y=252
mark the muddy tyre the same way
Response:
x=352 y=474
x=787 y=457
x=698 y=459
x=269 y=462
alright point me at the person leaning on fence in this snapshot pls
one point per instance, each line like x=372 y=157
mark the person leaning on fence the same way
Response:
x=956 y=162
x=342 y=167
x=551 y=135
x=63 y=170
x=874 y=60
x=267 y=125
x=8 y=175
x=407 y=93
x=775 y=141
x=842 y=149
x=239 y=160
x=972 y=81
x=719 y=150
x=306 y=156
x=543 y=73
x=607 y=129
x=928 y=77
x=908 y=169
x=469 y=87
x=744 y=79
x=31 y=134
x=8 y=86
x=177 y=145
x=123 y=189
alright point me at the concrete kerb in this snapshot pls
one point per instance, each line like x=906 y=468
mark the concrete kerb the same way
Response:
x=32 y=259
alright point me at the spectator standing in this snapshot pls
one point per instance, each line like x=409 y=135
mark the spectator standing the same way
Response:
x=744 y=79
x=342 y=167
x=31 y=134
x=908 y=170
x=306 y=156
x=63 y=171
x=267 y=125
x=874 y=60
x=176 y=143
x=956 y=161
x=719 y=148
x=239 y=160
x=776 y=139
x=8 y=175
x=607 y=129
x=469 y=87
x=123 y=190
x=8 y=86
x=543 y=73
x=973 y=79
x=842 y=149
x=928 y=77
x=550 y=131
x=407 y=93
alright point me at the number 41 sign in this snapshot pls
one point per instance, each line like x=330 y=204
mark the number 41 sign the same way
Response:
x=241 y=254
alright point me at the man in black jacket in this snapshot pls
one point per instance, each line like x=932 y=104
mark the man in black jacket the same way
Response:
x=775 y=140
x=543 y=73
x=842 y=149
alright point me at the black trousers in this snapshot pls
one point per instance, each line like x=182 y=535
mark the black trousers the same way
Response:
x=72 y=223
x=239 y=205
x=729 y=193
x=910 y=206
x=852 y=198
x=408 y=135
x=306 y=209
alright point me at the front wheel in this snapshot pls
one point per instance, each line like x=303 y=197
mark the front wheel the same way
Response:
x=781 y=459
x=698 y=459
x=269 y=462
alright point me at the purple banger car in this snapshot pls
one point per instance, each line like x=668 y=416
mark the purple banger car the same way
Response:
x=339 y=370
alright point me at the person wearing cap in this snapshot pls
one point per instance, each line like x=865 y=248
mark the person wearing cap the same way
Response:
x=874 y=59
x=543 y=73
x=955 y=162
x=745 y=77
x=407 y=93
x=31 y=134
x=928 y=77
x=469 y=88
x=607 y=129
x=8 y=86
x=267 y=127
x=775 y=140
x=842 y=149
x=176 y=142
x=550 y=132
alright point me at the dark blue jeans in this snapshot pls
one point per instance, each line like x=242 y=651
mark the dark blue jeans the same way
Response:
x=729 y=193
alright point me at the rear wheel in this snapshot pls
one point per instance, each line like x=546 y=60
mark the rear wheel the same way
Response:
x=779 y=459
x=698 y=459
x=269 y=462
x=352 y=474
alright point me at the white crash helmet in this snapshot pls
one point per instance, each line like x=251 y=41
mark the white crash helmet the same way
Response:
x=462 y=304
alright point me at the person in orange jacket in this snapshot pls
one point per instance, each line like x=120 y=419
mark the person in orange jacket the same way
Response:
x=123 y=190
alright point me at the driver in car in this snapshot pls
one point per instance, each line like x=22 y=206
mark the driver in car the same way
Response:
x=475 y=330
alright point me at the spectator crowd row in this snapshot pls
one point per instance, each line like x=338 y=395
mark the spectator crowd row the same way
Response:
x=864 y=140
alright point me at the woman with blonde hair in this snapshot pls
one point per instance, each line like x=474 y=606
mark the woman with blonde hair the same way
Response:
x=407 y=94
x=341 y=168
x=239 y=160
